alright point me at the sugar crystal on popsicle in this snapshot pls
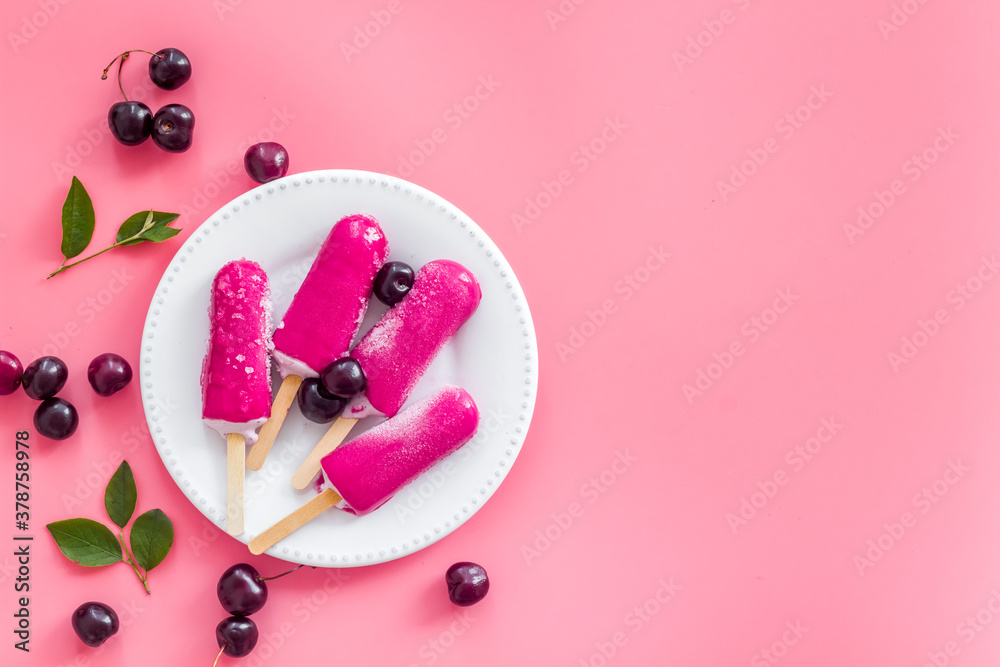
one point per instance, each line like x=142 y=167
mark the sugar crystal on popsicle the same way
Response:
x=363 y=474
x=400 y=347
x=325 y=314
x=368 y=470
x=236 y=372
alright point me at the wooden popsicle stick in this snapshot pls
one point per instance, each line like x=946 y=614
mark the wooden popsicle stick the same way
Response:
x=235 y=475
x=300 y=517
x=331 y=440
x=269 y=431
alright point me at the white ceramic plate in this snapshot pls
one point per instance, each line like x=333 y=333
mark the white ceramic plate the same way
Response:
x=281 y=225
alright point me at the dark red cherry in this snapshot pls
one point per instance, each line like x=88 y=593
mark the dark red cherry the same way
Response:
x=94 y=623
x=393 y=282
x=236 y=636
x=10 y=373
x=344 y=378
x=467 y=583
x=169 y=68
x=241 y=590
x=44 y=377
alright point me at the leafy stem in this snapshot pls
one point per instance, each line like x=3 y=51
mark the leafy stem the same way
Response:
x=131 y=561
x=146 y=226
x=64 y=265
x=92 y=544
x=78 y=227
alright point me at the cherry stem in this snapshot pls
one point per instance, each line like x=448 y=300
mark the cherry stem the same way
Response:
x=137 y=235
x=131 y=561
x=120 y=87
x=124 y=54
x=120 y=59
x=66 y=266
x=223 y=648
x=278 y=576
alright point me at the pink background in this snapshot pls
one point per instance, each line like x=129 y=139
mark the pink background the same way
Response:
x=617 y=538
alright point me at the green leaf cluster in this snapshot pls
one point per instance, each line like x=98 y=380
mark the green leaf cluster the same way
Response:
x=92 y=544
x=78 y=222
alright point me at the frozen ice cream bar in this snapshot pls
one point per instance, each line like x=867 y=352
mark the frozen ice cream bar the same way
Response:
x=400 y=347
x=369 y=470
x=325 y=314
x=236 y=373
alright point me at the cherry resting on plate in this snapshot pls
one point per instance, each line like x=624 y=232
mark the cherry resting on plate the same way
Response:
x=343 y=378
x=393 y=282
x=316 y=404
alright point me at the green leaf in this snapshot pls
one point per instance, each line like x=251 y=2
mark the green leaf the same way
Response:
x=87 y=542
x=143 y=221
x=120 y=495
x=160 y=234
x=151 y=537
x=77 y=220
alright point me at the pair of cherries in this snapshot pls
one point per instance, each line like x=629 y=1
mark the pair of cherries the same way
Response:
x=133 y=122
x=322 y=399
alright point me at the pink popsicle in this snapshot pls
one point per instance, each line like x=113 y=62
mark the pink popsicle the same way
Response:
x=364 y=474
x=236 y=373
x=367 y=471
x=400 y=347
x=325 y=314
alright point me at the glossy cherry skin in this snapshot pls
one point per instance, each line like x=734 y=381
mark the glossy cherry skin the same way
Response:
x=241 y=590
x=94 y=623
x=393 y=282
x=109 y=373
x=173 y=128
x=56 y=418
x=10 y=373
x=316 y=404
x=266 y=161
x=344 y=378
x=131 y=122
x=44 y=377
x=467 y=583
x=238 y=634
x=169 y=68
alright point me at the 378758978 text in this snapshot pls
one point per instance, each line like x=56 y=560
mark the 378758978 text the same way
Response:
x=22 y=543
